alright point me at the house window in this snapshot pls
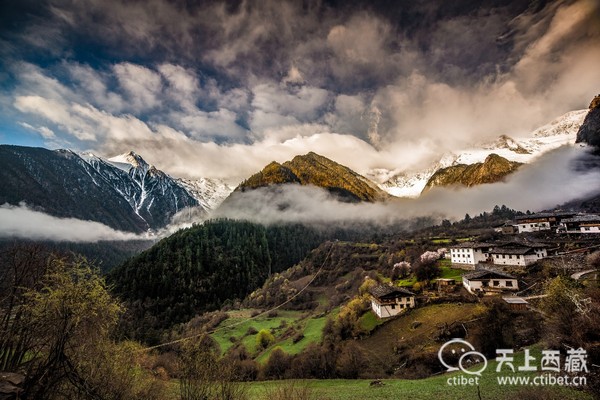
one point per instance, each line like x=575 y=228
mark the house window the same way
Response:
x=509 y=283
x=510 y=257
x=496 y=283
x=393 y=306
x=503 y=256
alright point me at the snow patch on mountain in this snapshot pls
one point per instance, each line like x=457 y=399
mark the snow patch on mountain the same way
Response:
x=210 y=193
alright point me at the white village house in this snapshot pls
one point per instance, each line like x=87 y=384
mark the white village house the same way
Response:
x=583 y=223
x=540 y=221
x=387 y=301
x=518 y=254
x=467 y=255
x=489 y=282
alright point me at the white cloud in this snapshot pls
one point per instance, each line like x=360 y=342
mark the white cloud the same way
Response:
x=294 y=76
x=23 y=222
x=94 y=84
x=360 y=41
x=277 y=106
x=184 y=86
x=44 y=131
x=203 y=125
x=59 y=113
x=141 y=84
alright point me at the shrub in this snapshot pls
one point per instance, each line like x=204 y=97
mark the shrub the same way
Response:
x=351 y=361
x=298 y=337
x=400 y=270
x=278 y=364
x=251 y=331
x=204 y=377
x=290 y=390
x=593 y=260
x=264 y=338
x=426 y=270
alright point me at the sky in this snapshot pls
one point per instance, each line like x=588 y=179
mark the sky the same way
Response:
x=220 y=89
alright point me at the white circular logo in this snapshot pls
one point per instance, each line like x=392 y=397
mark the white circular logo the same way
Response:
x=467 y=351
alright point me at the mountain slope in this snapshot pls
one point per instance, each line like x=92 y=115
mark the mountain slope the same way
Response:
x=589 y=132
x=62 y=184
x=156 y=196
x=210 y=193
x=493 y=169
x=316 y=170
x=125 y=192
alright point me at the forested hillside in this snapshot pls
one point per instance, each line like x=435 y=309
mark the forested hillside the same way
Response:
x=200 y=268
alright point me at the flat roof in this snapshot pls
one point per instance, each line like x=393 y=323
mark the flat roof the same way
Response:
x=545 y=215
x=583 y=218
x=471 y=245
x=515 y=300
x=380 y=291
x=512 y=250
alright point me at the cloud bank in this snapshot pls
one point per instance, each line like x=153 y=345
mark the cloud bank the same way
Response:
x=557 y=177
x=26 y=223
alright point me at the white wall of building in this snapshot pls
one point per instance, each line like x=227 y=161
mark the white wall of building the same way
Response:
x=516 y=259
x=533 y=226
x=473 y=286
x=467 y=256
x=389 y=310
x=590 y=229
x=509 y=259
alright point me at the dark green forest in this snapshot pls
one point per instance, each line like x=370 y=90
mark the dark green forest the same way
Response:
x=200 y=268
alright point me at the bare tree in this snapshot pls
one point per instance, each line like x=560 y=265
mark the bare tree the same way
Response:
x=204 y=376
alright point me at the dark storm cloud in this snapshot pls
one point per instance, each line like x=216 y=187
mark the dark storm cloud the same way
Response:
x=329 y=43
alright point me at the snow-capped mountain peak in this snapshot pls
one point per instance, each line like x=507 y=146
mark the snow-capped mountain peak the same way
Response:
x=559 y=132
x=131 y=159
x=208 y=193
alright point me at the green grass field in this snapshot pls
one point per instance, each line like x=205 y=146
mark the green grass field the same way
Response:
x=451 y=273
x=446 y=271
x=436 y=387
x=448 y=240
x=369 y=321
x=422 y=389
x=235 y=329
